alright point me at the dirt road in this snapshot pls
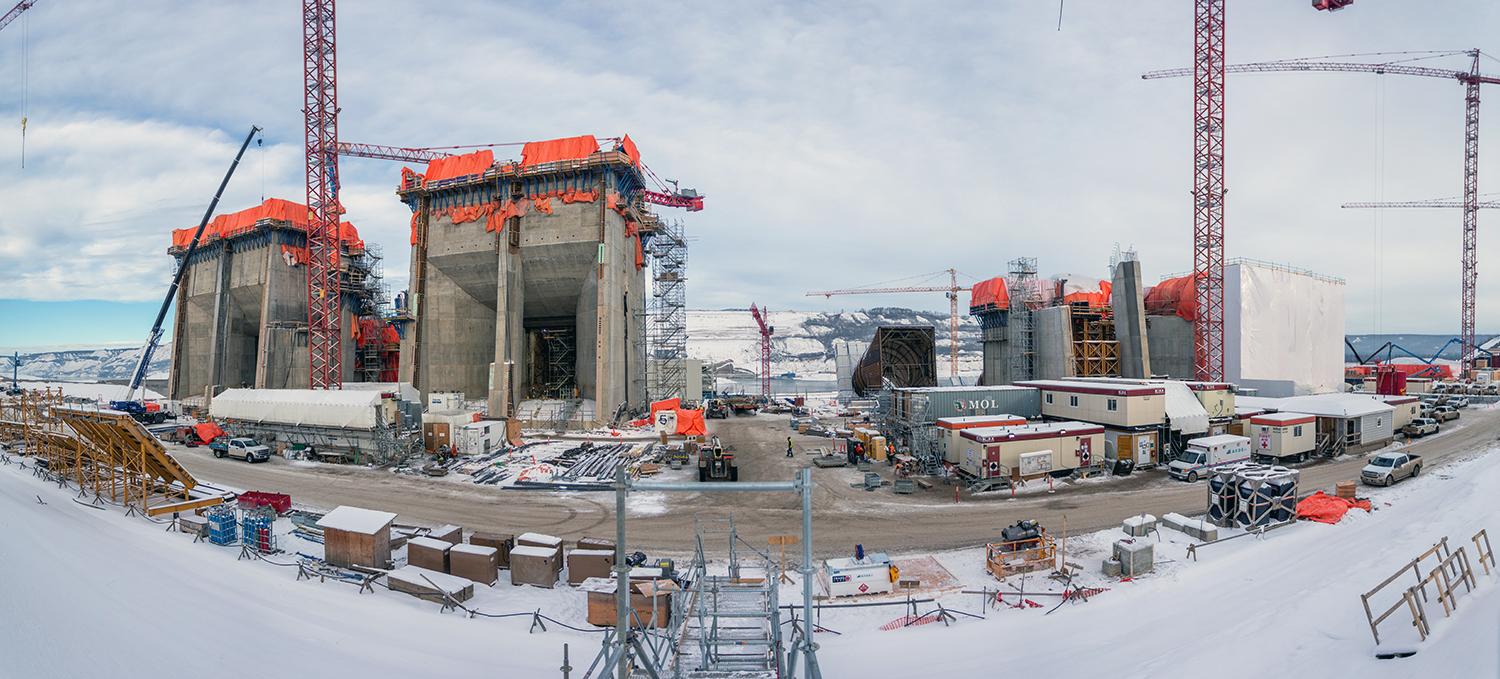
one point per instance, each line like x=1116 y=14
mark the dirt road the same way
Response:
x=843 y=515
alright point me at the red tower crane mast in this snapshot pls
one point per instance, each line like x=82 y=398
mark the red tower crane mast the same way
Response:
x=950 y=291
x=762 y=318
x=321 y=126
x=1471 y=79
x=1208 y=182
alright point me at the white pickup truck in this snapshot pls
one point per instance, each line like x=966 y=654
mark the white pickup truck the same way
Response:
x=1387 y=468
x=240 y=449
x=1203 y=454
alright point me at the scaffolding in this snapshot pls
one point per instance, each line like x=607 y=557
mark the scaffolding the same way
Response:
x=365 y=281
x=732 y=624
x=667 y=313
x=1096 y=352
x=1021 y=284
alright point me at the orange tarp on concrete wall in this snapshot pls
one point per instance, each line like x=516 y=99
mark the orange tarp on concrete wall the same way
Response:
x=235 y=223
x=628 y=146
x=1173 y=296
x=989 y=293
x=1093 y=291
x=691 y=422
x=451 y=167
x=553 y=150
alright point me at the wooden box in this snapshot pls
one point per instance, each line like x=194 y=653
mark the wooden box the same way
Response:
x=596 y=543
x=475 y=562
x=448 y=533
x=533 y=565
x=643 y=597
x=500 y=541
x=428 y=553
x=419 y=582
x=589 y=563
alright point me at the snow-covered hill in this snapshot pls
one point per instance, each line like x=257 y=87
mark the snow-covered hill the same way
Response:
x=90 y=365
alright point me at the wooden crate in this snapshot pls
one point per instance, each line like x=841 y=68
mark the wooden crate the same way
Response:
x=601 y=602
x=428 y=553
x=475 y=562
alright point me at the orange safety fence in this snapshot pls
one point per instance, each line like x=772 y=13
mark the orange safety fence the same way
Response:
x=1173 y=296
x=691 y=422
x=452 y=167
x=989 y=293
x=1325 y=508
x=554 y=150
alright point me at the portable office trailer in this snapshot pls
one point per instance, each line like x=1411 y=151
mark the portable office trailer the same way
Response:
x=1107 y=402
x=1281 y=436
x=1217 y=399
x=1029 y=451
x=1404 y=409
x=1350 y=422
x=1139 y=447
x=949 y=427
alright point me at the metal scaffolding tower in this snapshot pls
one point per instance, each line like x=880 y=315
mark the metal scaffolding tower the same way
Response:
x=1024 y=298
x=667 y=313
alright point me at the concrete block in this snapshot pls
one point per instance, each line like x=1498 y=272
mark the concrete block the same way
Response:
x=1135 y=556
x=1139 y=526
x=1112 y=567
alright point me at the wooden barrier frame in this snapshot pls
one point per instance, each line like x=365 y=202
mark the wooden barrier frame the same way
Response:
x=1452 y=568
x=1482 y=548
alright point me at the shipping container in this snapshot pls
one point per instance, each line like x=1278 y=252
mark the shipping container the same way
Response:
x=1029 y=451
x=479 y=438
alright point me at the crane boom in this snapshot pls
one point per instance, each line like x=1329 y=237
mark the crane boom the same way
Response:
x=766 y=330
x=15 y=12
x=153 y=339
x=400 y=154
x=1414 y=204
x=950 y=291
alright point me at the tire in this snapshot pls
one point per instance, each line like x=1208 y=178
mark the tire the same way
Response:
x=219 y=454
x=1417 y=470
x=702 y=475
x=1192 y=477
x=734 y=473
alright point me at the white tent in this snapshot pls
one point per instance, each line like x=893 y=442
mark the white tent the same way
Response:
x=352 y=409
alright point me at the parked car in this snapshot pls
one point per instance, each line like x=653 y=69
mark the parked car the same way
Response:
x=1420 y=427
x=1492 y=389
x=1459 y=403
x=1444 y=413
x=1387 y=468
x=246 y=449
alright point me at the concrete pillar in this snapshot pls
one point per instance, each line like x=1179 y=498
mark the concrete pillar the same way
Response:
x=218 y=337
x=263 y=352
x=510 y=330
x=1129 y=304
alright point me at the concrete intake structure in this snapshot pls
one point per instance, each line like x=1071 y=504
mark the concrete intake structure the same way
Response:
x=241 y=313
x=527 y=281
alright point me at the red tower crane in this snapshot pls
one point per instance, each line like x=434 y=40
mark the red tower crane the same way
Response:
x=15 y=12
x=1471 y=79
x=950 y=291
x=1208 y=182
x=320 y=114
x=766 y=330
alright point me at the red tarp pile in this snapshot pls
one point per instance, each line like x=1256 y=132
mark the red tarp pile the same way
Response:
x=554 y=150
x=989 y=294
x=1173 y=296
x=207 y=431
x=669 y=404
x=1325 y=508
x=1093 y=291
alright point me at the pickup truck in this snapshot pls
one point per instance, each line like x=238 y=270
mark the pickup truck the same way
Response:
x=1420 y=427
x=1387 y=468
x=241 y=449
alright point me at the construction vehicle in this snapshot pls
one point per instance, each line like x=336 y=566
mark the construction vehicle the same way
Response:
x=743 y=403
x=145 y=412
x=717 y=410
x=715 y=463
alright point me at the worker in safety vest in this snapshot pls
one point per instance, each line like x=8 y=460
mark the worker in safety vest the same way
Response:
x=895 y=573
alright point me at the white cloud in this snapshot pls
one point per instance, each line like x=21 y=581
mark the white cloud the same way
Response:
x=838 y=143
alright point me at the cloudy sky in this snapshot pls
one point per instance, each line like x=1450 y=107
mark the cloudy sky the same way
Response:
x=839 y=144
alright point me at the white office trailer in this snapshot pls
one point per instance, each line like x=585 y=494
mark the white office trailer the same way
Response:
x=1282 y=437
x=949 y=429
x=1347 y=423
x=997 y=456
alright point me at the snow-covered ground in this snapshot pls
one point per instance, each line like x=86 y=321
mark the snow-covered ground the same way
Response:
x=77 y=584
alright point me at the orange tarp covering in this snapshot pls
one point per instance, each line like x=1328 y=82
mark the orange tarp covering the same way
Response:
x=1173 y=296
x=1092 y=291
x=207 y=431
x=451 y=167
x=389 y=335
x=235 y=223
x=543 y=205
x=691 y=423
x=576 y=196
x=298 y=255
x=990 y=292
x=1325 y=508
x=553 y=150
x=628 y=146
x=668 y=404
